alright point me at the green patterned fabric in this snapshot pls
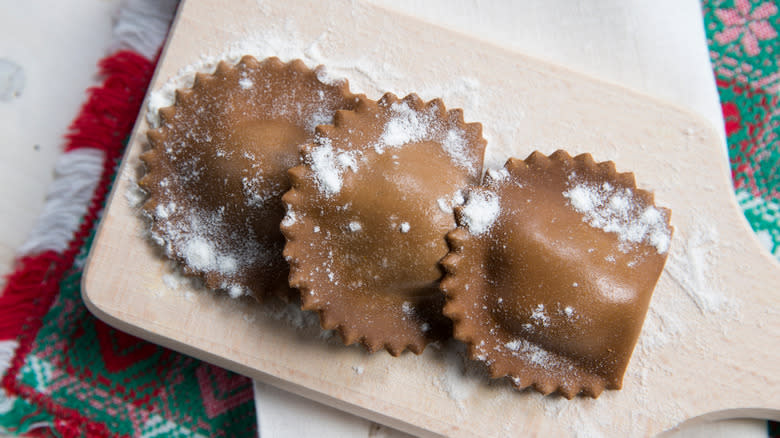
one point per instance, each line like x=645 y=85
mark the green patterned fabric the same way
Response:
x=745 y=52
x=18 y=416
x=71 y=375
x=84 y=378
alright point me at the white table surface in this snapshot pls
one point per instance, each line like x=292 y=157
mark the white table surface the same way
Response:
x=654 y=47
x=57 y=46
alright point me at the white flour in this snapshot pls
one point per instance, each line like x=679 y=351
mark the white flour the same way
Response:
x=194 y=238
x=448 y=203
x=458 y=379
x=618 y=211
x=329 y=166
x=407 y=126
x=692 y=266
x=480 y=211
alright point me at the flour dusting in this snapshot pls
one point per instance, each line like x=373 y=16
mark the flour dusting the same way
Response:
x=447 y=203
x=693 y=265
x=408 y=126
x=286 y=43
x=246 y=83
x=292 y=315
x=134 y=195
x=616 y=210
x=329 y=166
x=495 y=176
x=480 y=211
x=461 y=377
x=539 y=316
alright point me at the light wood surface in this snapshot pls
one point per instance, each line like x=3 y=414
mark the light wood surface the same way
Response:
x=709 y=347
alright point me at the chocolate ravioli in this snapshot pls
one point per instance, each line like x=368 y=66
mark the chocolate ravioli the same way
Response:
x=367 y=217
x=551 y=272
x=218 y=165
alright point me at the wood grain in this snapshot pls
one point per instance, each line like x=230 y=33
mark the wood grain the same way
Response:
x=708 y=347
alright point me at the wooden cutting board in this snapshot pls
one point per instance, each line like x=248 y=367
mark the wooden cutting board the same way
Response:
x=710 y=345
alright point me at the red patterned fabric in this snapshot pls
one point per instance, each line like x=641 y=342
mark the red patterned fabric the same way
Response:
x=73 y=375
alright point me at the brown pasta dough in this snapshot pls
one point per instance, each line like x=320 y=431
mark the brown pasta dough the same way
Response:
x=367 y=215
x=551 y=271
x=218 y=165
